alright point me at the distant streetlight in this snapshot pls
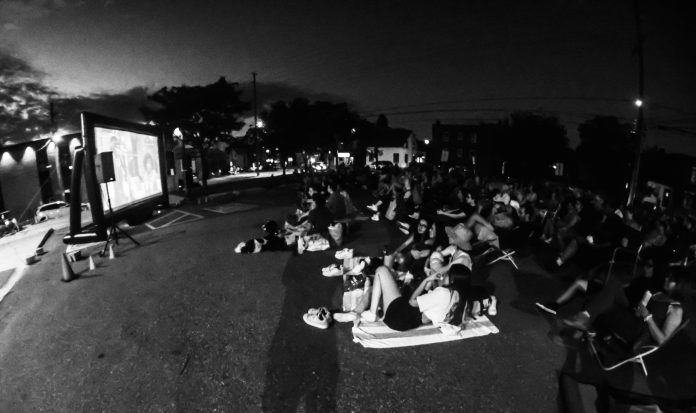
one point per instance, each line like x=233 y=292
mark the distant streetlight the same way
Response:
x=639 y=102
x=268 y=151
x=352 y=130
x=427 y=141
x=259 y=123
x=56 y=138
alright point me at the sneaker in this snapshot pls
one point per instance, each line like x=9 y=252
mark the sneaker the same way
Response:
x=344 y=253
x=493 y=306
x=372 y=208
x=368 y=316
x=301 y=245
x=404 y=230
x=403 y=224
x=332 y=270
x=375 y=217
x=579 y=321
x=550 y=307
x=415 y=215
x=320 y=319
x=346 y=317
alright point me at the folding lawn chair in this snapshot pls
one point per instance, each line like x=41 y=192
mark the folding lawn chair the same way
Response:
x=622 y=257
x=635 y=358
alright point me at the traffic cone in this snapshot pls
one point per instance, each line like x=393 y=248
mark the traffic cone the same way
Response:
x=111 y=253
x=68 y=274
x=92 y=266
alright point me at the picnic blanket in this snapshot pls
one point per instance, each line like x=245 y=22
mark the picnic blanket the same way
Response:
x=378 y=335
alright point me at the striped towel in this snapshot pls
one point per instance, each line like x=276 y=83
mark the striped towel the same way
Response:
x=378 y=335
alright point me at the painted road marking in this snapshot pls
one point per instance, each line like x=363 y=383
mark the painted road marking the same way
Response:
x=229 y=208
x=171 y=218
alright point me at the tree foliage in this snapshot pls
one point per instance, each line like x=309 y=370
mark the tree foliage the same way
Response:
x=531 y=143
x=303 y=126
x=605 y=153
x=204 y=114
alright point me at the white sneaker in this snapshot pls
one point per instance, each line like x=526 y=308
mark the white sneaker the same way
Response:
x=344 y=253
x=493 y=307
x=368 y=316
x=345 y=317
x=415 y=215
x=301 y=245
x=404 y=230
x=375 y=217
x=372 y=208
x=332 y=270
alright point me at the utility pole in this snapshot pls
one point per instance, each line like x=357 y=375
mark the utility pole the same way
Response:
x=256 y=129
x=640 y=128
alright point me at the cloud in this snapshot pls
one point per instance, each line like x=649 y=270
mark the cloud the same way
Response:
x=125 y=105
x=10 y=27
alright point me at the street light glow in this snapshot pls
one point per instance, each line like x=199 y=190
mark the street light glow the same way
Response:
x=259 y=124
x=639 y=102
x=427 y=141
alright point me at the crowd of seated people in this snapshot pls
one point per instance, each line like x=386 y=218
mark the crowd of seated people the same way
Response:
x=449 y=218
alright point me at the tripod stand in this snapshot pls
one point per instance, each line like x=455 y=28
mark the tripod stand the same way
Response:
x=114 y=229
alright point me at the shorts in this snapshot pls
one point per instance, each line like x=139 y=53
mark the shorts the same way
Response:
x=401 y=316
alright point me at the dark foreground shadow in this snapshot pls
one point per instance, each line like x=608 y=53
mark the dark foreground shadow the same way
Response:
x=302 y=360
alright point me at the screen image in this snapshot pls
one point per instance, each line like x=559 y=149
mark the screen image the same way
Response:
x=136 y=166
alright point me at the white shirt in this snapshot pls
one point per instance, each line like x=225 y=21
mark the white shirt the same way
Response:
x=436 y=304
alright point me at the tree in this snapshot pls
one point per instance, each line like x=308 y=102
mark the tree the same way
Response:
x=203 y=114
x=24 y=100
x=532 y=143
x=605 y=153
x=301 y=125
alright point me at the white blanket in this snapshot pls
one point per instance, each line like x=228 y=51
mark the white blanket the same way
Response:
x=378 y=335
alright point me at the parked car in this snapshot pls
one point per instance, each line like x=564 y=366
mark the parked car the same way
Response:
x=319 y=166
x=54 y=209
x=379 y=165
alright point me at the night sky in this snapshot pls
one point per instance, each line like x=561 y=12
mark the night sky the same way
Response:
x=415 y=61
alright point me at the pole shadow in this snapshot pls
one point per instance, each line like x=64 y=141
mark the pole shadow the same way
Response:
x=303 y=360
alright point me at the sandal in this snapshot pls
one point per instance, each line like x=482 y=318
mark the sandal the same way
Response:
x=321 y=318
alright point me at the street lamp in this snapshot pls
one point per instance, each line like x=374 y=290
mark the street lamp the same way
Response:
x=638 y=102
x=427 y=141
x=259 y=124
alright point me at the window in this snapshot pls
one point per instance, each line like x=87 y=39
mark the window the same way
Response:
x=396 y=158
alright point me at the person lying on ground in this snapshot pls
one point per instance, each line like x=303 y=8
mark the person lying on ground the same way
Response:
x=654 y=318
x=439 y=306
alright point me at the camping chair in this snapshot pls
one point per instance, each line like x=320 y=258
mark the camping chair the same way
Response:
x=636 y=358
x=623 y=257
x=509 y=240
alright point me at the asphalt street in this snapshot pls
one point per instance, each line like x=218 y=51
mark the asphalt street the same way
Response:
x=182 y=323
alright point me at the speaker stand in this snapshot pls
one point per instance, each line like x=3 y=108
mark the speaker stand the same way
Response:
x=113 y=229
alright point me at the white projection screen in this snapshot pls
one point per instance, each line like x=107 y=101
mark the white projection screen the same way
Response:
x=136 y=166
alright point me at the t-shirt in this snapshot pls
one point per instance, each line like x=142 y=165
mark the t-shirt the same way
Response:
x=437 y=303
x=320 y=218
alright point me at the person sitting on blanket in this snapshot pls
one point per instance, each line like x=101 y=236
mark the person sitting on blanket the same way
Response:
x=317 y=223
x=441 y=306
x=654 y=318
